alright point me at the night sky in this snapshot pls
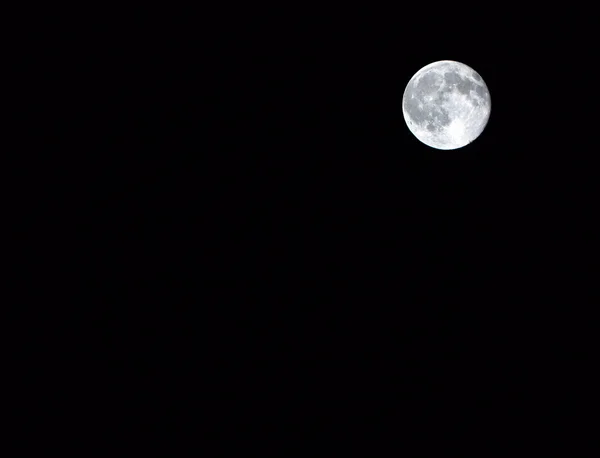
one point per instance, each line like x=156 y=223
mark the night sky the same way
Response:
x=259 y=217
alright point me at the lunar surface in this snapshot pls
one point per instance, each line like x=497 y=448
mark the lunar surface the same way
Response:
x=446 y=105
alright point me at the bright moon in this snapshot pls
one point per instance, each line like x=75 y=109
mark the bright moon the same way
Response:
x=446 y=105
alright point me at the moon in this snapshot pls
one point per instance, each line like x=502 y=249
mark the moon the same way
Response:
x=446 y=105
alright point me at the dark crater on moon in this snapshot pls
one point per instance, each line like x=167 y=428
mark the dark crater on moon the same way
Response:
x=429 y=84
x=463 y=85
x=433 y=113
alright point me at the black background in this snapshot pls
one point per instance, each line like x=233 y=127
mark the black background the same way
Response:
x=254 y=235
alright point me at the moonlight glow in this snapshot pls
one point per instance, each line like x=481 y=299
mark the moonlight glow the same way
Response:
x=446 y=105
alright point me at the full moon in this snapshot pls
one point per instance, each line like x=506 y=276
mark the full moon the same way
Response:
x=446 y=105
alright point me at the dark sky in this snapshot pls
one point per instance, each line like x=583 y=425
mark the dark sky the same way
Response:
x=284 y=140
x=253 y=197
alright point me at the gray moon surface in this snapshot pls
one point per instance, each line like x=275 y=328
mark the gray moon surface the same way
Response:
x=446 y=105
